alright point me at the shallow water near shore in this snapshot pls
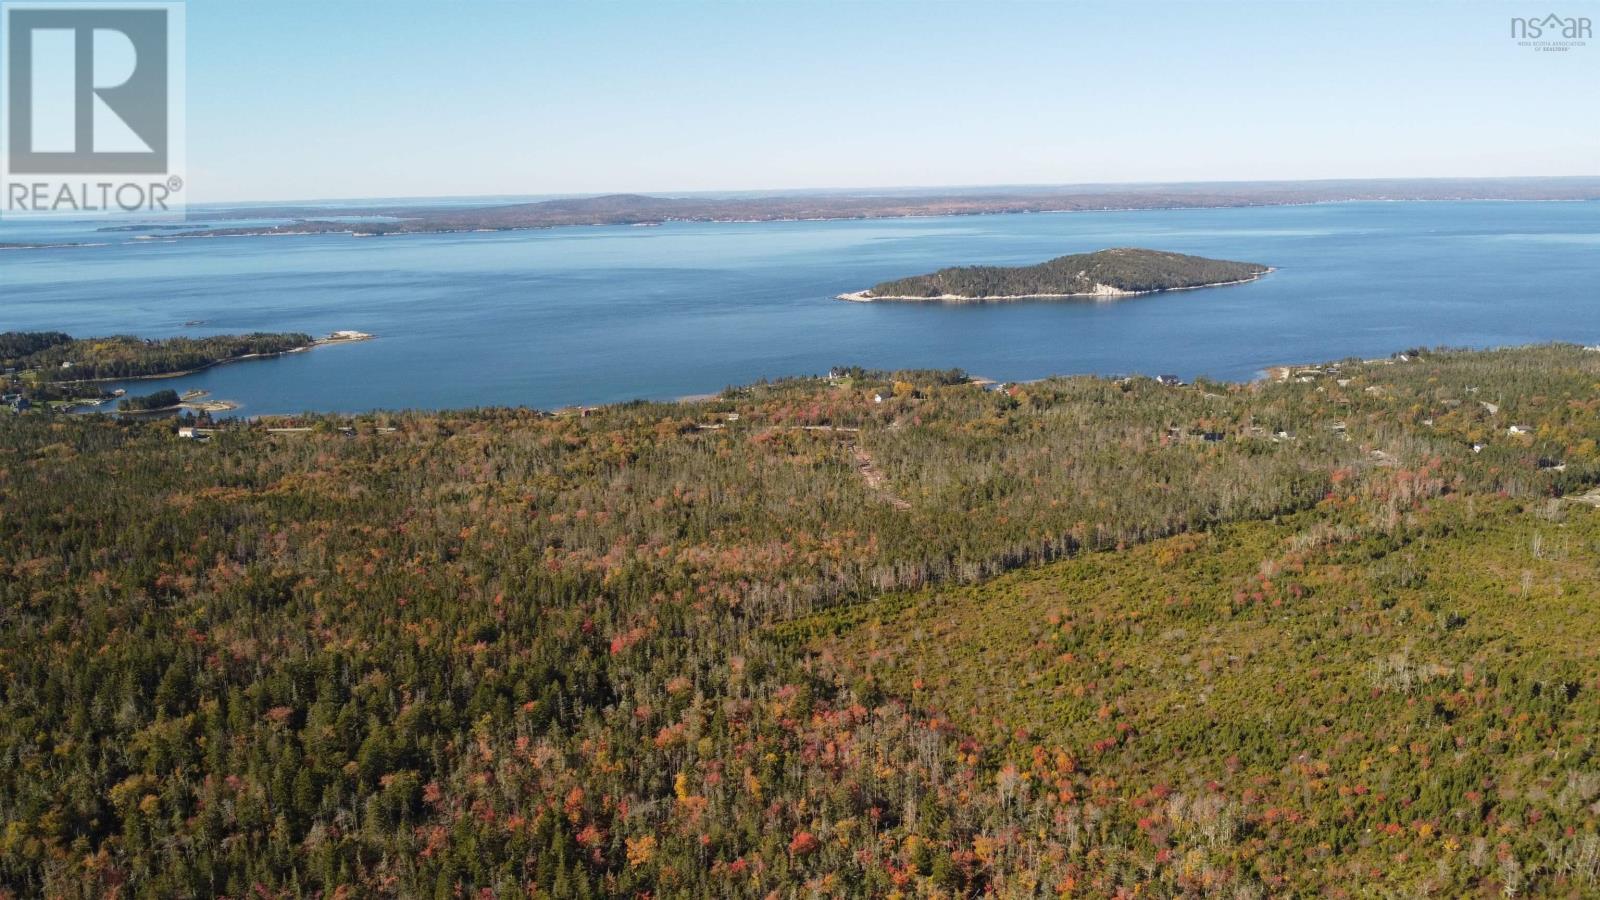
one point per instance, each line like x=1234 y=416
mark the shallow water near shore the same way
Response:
x=603 y=314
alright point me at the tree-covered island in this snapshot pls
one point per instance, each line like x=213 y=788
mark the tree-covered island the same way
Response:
x=1118 y=272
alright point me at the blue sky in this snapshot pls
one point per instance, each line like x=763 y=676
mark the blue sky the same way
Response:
x=336 y=98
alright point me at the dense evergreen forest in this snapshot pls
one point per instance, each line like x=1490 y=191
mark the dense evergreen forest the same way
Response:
x=1121 y=270
x=1331 y=634
x=44 y=357
x=162 y=399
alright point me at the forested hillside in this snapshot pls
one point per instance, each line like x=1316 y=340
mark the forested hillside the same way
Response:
x=1316 y=704
x=1122 y=270
x=1081 y=636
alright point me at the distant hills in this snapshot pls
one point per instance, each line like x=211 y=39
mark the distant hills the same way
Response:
x=1105 y=273
x=642 y=209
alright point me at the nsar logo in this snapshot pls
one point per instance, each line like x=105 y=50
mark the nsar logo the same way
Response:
x=1553 y=32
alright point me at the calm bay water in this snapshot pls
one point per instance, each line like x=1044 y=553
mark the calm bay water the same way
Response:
x=604 y=314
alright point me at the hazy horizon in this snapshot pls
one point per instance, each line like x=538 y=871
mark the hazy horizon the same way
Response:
x=889 y=189
x=337 y=102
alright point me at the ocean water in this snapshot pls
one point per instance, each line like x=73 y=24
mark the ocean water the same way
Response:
x=603 y=314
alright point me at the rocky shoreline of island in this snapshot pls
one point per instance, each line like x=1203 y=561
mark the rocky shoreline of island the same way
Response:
x=1106 y=292
x=1109 y=274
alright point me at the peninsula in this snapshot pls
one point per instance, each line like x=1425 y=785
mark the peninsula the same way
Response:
x=53 y=367
x=1106 y=274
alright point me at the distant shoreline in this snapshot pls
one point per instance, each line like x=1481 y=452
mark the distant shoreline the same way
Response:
x=867 y=217
x=379 y=219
